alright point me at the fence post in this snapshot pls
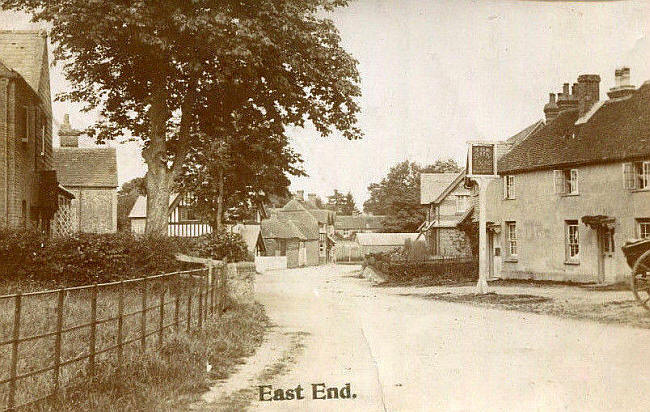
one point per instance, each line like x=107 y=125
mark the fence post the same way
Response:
x=57 y=342
x=11 y=402
x=177 y=304
x=120 y=325
x=200 y=320
x=206 y=304
x=211 y=283
x=143 y=317
x=93 y=331
x=161 y=317
x=189 y=309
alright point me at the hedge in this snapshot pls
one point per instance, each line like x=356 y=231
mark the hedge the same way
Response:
x=93 y=258
x=436 y=271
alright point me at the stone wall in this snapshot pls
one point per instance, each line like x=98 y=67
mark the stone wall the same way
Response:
x=453 y=243
x=96 y=209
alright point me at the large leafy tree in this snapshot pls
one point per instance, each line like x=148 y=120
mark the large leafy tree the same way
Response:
x=342 y=204
x=154 y=67
x=397 y=196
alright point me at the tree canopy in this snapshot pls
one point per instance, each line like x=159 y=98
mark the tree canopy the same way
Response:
x=397 y=196
x=342 y=204
x=171 y=72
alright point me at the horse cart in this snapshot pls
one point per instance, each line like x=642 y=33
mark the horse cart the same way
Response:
x=637 y=254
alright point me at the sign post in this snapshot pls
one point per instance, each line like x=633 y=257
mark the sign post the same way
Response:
x=482 y=169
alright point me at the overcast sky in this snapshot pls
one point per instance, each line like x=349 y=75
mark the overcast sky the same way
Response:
x=436 y=73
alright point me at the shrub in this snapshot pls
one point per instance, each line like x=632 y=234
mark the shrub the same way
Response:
x=415 y=251
x=222 y=245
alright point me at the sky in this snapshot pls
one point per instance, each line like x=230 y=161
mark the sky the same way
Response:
x=437 y=73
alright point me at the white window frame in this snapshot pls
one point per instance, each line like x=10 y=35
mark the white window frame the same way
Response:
x=511 y=239
x=509 y=189
x=572 y=241
x=566 y=182
x=462 y=203
x=636 y=175
x=643 y=228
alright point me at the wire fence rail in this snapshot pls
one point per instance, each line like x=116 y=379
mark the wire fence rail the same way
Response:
x=44 y=340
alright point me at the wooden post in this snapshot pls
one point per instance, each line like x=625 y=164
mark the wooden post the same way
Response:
x=200 y=320
x=189 y=310
x=120 y=325
x=177 y=304
x=93 y=331
x=57 y=342
x=483 y=269
x=161 y=317
x=211 y=286
x=206 y=304
x=11 y=401
x=143 y=317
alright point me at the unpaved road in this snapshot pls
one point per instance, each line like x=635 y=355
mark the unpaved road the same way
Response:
x=404 y=353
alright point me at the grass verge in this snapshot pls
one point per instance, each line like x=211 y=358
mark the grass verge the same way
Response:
x=169 y=378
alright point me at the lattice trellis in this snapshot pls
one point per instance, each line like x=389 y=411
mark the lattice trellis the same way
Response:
x=64 y=221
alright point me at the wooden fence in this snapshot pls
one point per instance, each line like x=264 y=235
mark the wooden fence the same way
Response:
x=42 y=348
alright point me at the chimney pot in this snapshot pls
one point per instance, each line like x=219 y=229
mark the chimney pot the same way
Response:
x=623 y=87
x=565 y=89
x=551 y=97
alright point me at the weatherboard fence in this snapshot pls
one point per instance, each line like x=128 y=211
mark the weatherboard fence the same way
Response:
x=45 y=342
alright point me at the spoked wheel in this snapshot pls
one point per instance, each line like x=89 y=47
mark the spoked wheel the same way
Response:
x=641 y=280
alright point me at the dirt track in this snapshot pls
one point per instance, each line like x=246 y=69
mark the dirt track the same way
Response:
x=404 y=353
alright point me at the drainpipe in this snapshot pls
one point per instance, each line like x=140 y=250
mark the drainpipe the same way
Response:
x=6 y=138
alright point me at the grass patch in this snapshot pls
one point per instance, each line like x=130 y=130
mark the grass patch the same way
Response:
x=176 y=375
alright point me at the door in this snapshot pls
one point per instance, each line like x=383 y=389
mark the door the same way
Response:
x=606 y=249
x=494 y=254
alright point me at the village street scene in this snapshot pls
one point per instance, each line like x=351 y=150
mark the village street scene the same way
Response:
x=324 y=205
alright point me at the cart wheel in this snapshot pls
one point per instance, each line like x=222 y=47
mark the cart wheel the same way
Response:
x=641 y=280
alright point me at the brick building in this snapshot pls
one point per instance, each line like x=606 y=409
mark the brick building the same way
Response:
x=29 y=190
x=90 y=173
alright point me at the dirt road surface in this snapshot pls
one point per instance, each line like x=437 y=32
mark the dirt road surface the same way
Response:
x=404 y=353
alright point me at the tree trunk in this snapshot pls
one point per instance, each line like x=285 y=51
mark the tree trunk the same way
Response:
x=220 y=201
x=158 y=193
x=159 y=176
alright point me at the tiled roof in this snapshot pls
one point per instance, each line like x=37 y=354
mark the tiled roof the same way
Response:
x=384 y=239
x=293 y=205
x=618 y=130
x=358 y=222
x=273 y=228
x=522 y=135
x=86 y=167
x=432 y=185
x=23 y=51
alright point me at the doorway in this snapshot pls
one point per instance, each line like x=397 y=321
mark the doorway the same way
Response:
x=494 y=251
x=606 y=250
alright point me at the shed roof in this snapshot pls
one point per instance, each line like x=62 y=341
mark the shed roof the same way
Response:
x=618 y=130
x=385 y=239
x=249 y=233
x=86 y=167
x=273 y=228
x=139 y=209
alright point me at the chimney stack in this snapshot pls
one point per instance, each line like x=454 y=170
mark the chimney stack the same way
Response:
x=68 y=137
x=300 y=195
x=312 y=197
x=588 y=92
x=566 y=100
x=623 y=87
x=550 y=109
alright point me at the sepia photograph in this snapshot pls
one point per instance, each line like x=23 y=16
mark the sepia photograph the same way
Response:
x=324 y=205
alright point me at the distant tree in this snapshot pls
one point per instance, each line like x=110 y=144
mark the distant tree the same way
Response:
x=154 y=68
x=342 y=204
x=397 y=196
x=126 y=198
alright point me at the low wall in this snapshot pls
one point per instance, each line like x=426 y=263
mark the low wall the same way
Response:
x=265 y=263
x=240 y=278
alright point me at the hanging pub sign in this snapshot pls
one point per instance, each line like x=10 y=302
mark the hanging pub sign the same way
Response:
x=481 y=159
